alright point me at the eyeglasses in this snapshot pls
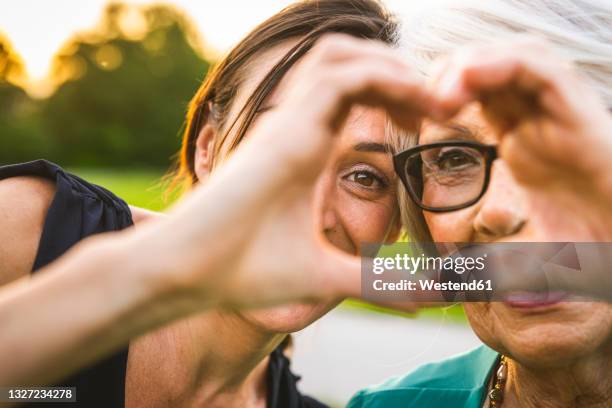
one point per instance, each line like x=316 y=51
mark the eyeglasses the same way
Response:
x=446 y=176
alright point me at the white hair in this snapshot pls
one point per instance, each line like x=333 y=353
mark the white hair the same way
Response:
x=579 y=30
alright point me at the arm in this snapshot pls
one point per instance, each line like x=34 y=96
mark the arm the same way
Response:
x=140 y=215
x=54 y=323
x=231 y=242
x=80 y=308
x=24 y=202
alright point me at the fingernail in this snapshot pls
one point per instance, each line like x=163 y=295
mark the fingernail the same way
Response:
x=447 y=87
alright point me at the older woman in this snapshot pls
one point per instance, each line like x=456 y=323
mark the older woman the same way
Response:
x=546 y=135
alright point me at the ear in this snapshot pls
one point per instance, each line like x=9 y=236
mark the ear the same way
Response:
x=203 y=152
x=395 y=228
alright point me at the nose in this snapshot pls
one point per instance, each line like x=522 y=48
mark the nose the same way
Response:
x=329 y=219
x=502 y=210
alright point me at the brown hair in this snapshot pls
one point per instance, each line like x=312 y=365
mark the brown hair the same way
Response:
x=305 y=20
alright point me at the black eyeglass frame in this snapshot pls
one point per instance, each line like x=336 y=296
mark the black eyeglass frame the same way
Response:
x=399 y=163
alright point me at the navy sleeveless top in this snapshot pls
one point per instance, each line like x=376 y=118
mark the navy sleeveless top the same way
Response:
x=80 y=209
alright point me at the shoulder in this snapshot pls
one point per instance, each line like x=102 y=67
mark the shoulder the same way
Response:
x=458 y=380
x=141 y=215
x=24 y=202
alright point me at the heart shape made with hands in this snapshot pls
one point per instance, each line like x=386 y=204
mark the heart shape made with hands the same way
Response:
x=552 y=129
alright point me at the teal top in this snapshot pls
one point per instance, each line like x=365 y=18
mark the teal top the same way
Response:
x=460 y=381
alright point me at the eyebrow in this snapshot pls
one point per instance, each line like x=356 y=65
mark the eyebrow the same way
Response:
x=450 y=131
x=372 y=147
x=460 y=129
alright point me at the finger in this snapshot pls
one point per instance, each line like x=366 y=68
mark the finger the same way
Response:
x=337 y=48
x=339 y=273
x=343 y=276
x=525 y=68
x=395 y=88
x=349 y=70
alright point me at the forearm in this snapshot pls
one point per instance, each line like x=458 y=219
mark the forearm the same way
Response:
x=80 y=308
x=111 y=288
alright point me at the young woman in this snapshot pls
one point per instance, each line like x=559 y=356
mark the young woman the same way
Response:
x=551 y=126
x=263 y=209
x=243 y=365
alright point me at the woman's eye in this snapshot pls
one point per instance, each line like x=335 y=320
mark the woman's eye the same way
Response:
x=365 y=179
x=455 y=160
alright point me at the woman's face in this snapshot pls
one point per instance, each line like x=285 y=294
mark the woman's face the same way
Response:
x=356 y=190
x=531 y=332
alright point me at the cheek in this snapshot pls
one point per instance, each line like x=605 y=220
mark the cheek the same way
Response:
x=456 y=226
x=363 y=220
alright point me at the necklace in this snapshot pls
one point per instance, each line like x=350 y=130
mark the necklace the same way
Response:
x=496 y=394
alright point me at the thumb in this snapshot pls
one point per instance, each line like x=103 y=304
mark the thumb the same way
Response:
x=343 y=275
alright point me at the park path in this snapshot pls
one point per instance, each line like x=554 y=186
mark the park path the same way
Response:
x=349 y=349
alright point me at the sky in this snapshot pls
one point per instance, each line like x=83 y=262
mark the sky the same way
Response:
x=38 y=28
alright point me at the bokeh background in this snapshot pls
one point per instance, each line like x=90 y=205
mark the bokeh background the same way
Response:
x=101 y=89
x=110 y=102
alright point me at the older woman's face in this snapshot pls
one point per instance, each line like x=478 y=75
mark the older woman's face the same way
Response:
x=532 y=332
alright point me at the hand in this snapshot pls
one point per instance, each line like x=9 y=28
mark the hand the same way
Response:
x=250 y=236
x=554 y=132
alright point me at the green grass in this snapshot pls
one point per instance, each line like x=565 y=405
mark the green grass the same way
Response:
x=452 y=314
x=139 y=187
x=144 y=188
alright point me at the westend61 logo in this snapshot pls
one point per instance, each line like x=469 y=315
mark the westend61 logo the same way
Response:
x=411 y=264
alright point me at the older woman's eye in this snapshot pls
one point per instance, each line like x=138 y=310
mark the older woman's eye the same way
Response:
x=456 y=159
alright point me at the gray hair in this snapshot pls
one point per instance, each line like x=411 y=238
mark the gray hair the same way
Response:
x=580 y=31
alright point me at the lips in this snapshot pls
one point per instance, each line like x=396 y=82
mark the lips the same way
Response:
x=531 y=300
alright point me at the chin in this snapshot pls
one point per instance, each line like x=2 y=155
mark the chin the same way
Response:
x=550 y=345
x=546 y=338
x=289 y=318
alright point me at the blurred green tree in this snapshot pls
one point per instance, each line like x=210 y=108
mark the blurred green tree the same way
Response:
x=20 y=127
x=123 y=92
